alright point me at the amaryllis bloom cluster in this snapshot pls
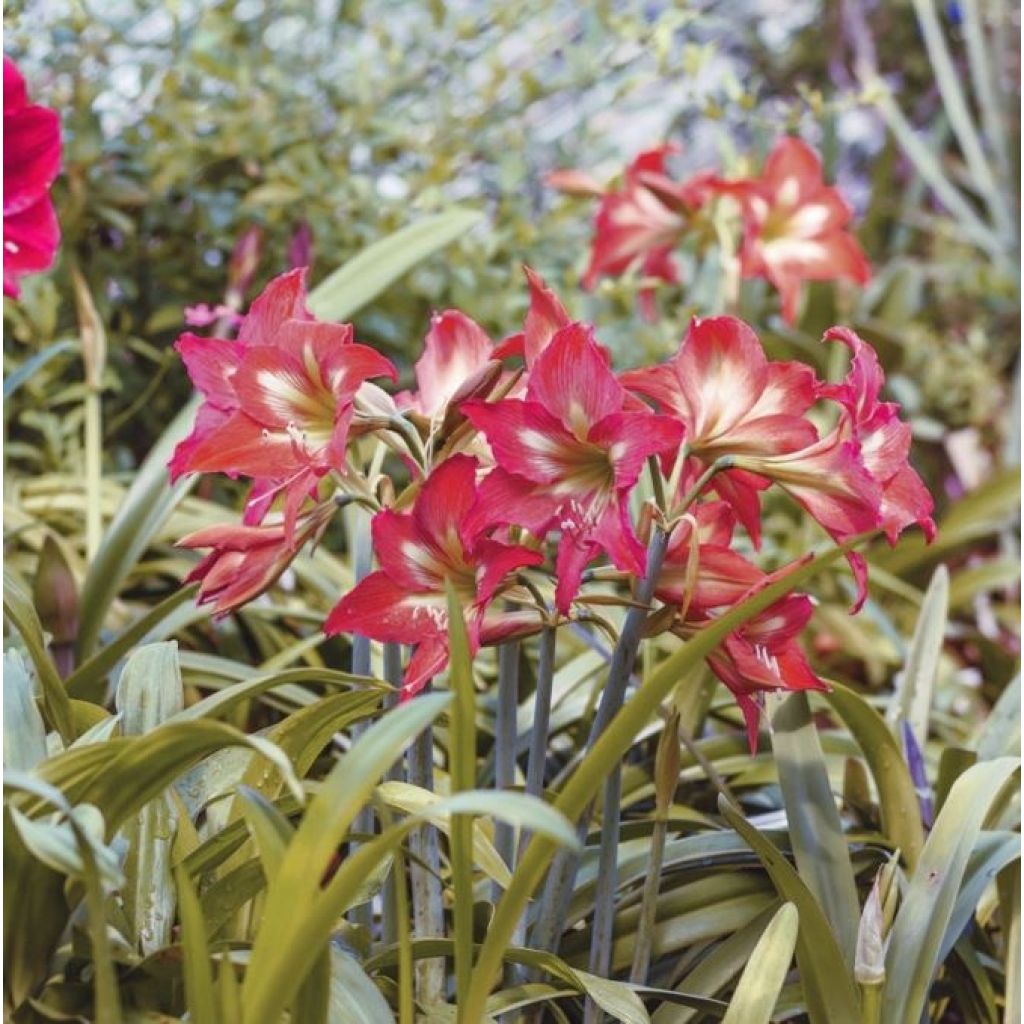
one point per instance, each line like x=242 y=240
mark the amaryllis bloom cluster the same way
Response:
x=279 y=400
x=519 y=470
x=638 y=225
x=32 y=157
x=794 y=227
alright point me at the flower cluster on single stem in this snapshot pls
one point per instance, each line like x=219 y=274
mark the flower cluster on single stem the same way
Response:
x=510 y=475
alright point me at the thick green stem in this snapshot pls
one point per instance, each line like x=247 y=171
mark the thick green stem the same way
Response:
x=362 y=562
x=93 y=473
x=649 y=905
x=505 y=744
x=427 y=899
x=871 y=1004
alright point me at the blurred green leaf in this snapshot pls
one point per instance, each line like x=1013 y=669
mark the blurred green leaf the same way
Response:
x=365 y=276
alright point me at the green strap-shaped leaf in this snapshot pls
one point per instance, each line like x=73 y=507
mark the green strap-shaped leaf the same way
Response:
x=122 y=775
x=829 y=991
x=819 y=844
x=463 y=776
x=32 y=365
x=145 y=506
x=897 y=798
x=758 y=990
x=585 y=781
x=274 y=974
x=24 y=731
x=200 y=996
x=148 y=693
x=917 y=932
x=21 y=613
x=365 y=276
x=913 y=700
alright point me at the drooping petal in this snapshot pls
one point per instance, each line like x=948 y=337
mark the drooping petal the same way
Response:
x=428 y=659
x=381 y=609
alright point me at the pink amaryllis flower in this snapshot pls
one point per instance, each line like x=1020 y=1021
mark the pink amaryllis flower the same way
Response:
x=731 y=400
x=857 y=477
x=883 y=438
x=279 y=399
x=568 y=455
x=764 y=655
x=245 y=561
x=796 y=228
x=703 y=577
x=32 y=156
x=420 y=552
x=639 y=224
x=457 y=356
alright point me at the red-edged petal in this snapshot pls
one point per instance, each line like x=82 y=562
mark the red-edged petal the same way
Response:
x=545 y=316
x=32 y=154
x=211 y=363
x=495 y=561
x=504 y=498
x=209 y=419
x=404 y=555
x=572 y=380
x=525 y=438
x=283 y=299
x=631 y=438
x=613 y=532
x=31 y=237
x=381 y=609
x=454 y=349
x=240 y=445
x=445 y=498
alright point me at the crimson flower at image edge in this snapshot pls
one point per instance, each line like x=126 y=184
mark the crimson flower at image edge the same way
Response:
x=32 y=159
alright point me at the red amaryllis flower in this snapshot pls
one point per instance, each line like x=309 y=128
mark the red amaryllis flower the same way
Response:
x=764 y=655
x=419 y=552
x=732 y=400
x=31 y=164
x=638 y=224
x=795 y=226
x=884 y=440
x=703 y=577
x=279 y=400
x=830 y=480
x=247 y=560
x=568 y=455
